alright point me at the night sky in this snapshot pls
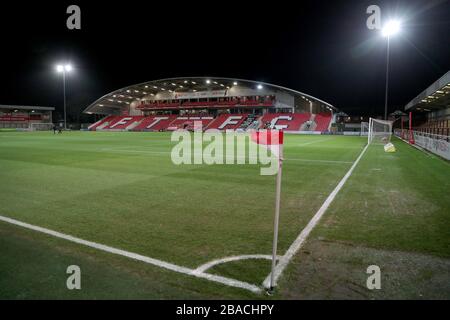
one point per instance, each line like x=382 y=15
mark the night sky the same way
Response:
x=322 y=48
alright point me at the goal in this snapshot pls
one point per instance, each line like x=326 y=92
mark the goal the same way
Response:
x=40 y=126
x=364 y=128
x=380 y=131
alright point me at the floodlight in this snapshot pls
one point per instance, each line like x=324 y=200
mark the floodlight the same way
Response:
x=64 y=68
x=391 y=28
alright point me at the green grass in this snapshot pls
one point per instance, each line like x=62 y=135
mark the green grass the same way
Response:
x=122 y=190
x=398 y=201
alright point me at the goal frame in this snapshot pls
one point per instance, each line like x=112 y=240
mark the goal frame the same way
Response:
x=33 y=126
x=383 y=122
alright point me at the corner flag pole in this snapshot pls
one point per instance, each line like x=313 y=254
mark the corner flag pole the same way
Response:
x=276 y=217
x=273 y=140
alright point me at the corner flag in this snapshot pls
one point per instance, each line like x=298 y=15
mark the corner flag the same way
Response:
x=273 y=140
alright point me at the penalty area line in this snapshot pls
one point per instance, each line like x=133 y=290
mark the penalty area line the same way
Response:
x=299 y=241
x=159 y=263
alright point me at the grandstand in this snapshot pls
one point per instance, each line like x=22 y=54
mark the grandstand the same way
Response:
x=24 y=117
x=430 y=119
x=432 y=108
x=218 y=103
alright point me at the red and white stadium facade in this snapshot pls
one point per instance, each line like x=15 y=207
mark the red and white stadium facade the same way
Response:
x=24 y=117
x=216 y=103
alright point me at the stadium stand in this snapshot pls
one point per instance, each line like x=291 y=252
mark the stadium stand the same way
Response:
x=125 y=123
x=285 y=121
x=188 y=123
x=282 y=121
x=144 y=123
x=158 y=105
x=160 y=122
x=24 y=117
x=101 y=123
x=253 y=101
x=322 y=122
x=228 y=121
x=251 y=122
x=118 y=123
x=235 y=104
x=439 y=127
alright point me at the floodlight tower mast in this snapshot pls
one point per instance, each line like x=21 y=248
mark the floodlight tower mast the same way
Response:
x=390 y=29
x=63 y=69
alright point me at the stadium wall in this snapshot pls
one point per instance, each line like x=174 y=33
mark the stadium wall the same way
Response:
x=437 y=144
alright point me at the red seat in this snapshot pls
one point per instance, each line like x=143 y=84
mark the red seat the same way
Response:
x=285 y=121
x=122 y=122
x=190 y=122
x=322 y=121
x=94 y=126
x=156 y=123
x=228 y=121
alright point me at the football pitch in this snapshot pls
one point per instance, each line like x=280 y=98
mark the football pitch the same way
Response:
x=121 y=190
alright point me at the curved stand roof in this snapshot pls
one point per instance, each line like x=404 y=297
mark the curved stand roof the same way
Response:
x=121 y=98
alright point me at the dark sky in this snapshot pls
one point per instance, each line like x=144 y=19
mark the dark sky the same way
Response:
x=322 y=48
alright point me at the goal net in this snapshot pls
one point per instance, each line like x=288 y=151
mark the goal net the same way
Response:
x=41 y=126
x=380 y=131
x=364 y=128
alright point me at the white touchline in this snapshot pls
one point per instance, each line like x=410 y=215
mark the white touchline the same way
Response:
x=297 y=244
x=135 y=256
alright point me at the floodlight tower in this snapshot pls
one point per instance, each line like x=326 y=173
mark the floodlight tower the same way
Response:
x=63 y=69
x=391 y=28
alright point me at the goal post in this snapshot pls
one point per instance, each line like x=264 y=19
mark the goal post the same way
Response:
x=380 y=131
x=41 y=126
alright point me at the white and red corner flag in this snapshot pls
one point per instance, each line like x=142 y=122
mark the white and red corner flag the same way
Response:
x=272 y=139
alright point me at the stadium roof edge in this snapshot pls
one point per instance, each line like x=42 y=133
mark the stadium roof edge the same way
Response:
x=133 y=87
x=431 y=98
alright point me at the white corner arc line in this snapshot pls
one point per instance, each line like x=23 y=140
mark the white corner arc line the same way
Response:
x=297 y=244
x=138 y=257
x=213 y=263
